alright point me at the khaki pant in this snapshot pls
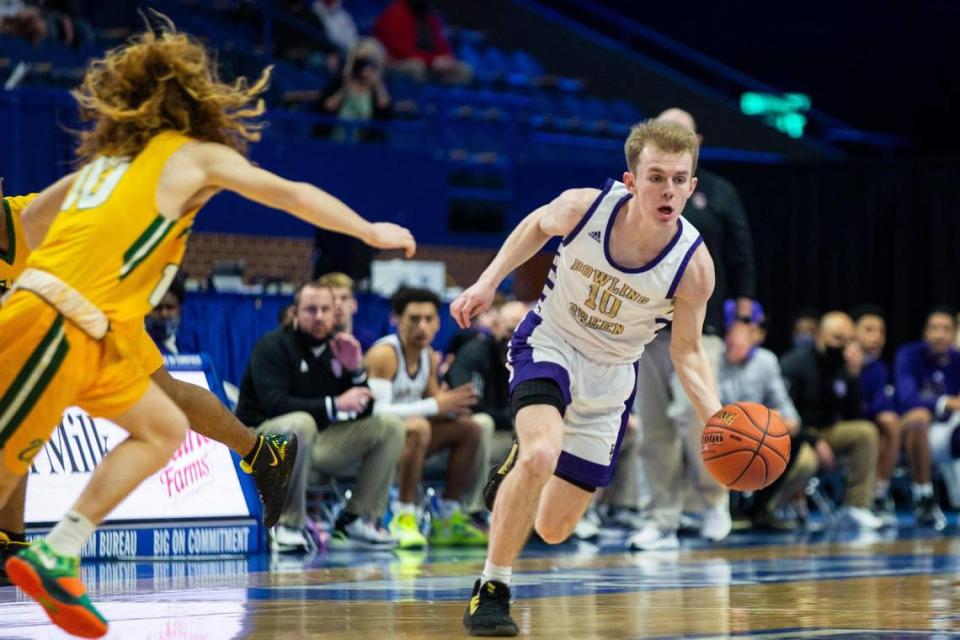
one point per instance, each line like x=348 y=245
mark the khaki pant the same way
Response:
x=472 y=498
x=803 y=468
x=376 y=442
x=668 y=445
x=624 y=488
x=857 y=442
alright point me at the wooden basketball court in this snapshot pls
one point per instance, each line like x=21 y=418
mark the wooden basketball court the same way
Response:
x=896 y=585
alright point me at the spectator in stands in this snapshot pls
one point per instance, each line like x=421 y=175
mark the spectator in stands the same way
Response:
x=345 y=307
x=59 y=20
x=824 y=383
x=22 y=21
x=403 y=378
x=413 y=33
x=67 y=22
x=358 y=93
x=309 y=380
x=339 y=24
x=481 y=360
x=669 y=424
x=344 y=301
x=927 y=380
x=163 y=323
x=877 y=398
x=755 y=376
x=804 y=331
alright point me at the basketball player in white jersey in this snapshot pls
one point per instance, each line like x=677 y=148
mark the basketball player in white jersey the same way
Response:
x=627 y=265
x=402 y=370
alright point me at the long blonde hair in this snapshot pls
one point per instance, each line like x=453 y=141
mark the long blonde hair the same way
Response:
x=162 y=81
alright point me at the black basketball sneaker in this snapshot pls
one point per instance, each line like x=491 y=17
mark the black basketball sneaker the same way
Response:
x=272 y=466
x=488 y=612
x=497 y=474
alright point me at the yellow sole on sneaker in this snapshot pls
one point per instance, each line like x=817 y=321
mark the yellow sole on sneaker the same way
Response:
x=74 y=619
x=412 y=543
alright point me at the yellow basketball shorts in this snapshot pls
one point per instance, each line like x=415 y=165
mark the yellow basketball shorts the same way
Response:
x=48 y=364
x=145 y=351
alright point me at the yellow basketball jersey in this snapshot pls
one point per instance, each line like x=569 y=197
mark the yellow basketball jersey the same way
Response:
x=13 y=257
x=109 y=242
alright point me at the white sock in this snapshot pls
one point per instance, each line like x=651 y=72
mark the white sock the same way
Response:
x=883 y=487
x=70 y=534
x=924 y=490
x=496 y=572
x=448 y=508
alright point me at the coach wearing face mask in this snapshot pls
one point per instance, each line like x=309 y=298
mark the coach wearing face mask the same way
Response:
x=824 y=384
x=163 y=323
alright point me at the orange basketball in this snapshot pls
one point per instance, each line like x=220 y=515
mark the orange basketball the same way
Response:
x=745 y=446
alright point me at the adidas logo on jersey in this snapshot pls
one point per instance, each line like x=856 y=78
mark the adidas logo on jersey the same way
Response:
x=595 y=235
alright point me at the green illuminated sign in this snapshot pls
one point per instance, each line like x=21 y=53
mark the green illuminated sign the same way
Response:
x=779 y=111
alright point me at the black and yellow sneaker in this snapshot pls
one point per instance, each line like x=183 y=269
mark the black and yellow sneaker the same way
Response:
x=272 y=467
x=8 y=549
x=497 y=474
x=488 y=612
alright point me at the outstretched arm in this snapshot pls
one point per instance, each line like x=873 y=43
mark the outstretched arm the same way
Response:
x=686 y=343
x=220 y=167
x=558 y=218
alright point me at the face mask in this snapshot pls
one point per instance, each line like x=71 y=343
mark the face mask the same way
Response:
x=162 y=329
x=834 y=355
x=803 y=340
x=309 y=339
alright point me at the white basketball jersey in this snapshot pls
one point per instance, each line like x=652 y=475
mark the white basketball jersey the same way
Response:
x=605 y=311
x=407 y=388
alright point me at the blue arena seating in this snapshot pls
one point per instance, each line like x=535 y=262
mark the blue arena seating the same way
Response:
x=512 y=91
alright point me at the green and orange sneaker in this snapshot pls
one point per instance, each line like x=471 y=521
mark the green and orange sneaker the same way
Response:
x=54 y=582
x=457 y=531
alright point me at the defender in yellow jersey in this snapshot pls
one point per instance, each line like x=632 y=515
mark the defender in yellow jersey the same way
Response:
x=167 y=135
x=110 y=205
x=205 y=412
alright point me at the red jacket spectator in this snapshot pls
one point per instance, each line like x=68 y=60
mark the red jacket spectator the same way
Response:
x=412 y=29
